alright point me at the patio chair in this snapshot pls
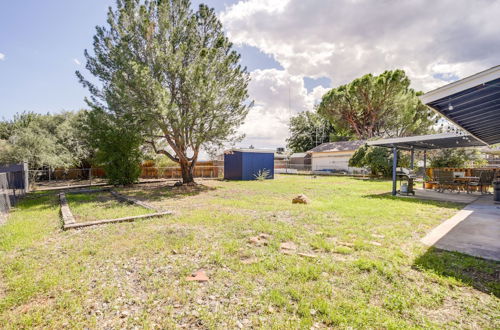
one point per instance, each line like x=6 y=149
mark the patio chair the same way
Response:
x=446 y=181
x=485 y=179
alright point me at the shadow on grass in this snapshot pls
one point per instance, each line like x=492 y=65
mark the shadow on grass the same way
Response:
x=158 y=192
x=416 y=200
x=482 y=274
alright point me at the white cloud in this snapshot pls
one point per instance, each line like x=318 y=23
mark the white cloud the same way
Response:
x=2 y=56
x=278 y=96
x=76 y=61
x=342 y=40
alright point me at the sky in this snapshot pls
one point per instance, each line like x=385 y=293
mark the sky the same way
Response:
x=295 y=50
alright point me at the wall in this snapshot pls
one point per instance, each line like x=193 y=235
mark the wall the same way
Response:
x=331 y=160
x=253 y=162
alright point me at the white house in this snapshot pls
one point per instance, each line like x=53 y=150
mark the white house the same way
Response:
x=334 y=156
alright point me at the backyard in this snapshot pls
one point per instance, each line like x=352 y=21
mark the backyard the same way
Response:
x=351 y=257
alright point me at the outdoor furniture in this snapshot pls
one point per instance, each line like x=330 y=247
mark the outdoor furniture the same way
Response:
x=484 y=180
x=446 y=181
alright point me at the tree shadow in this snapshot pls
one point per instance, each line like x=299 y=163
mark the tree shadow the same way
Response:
x=416 y=200
x=162 y=191
x=482 y=274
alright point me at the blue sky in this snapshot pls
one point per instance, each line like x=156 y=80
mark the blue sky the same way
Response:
x=294 y=49
x=42 y=42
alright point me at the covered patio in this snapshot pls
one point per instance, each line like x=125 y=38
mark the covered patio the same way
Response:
x=473 y=105
x=423 y=143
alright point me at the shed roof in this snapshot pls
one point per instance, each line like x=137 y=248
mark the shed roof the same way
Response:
x=432 y=141
x=250 y=150
x=338 y=146
x=472 y=103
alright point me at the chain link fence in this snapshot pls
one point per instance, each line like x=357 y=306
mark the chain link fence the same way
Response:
x=13 y=185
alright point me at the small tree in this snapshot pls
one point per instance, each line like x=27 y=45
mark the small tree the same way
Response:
x=118 y=146
x=307 y=130
x=377 y=159
x=456 y=158
x=172 y=74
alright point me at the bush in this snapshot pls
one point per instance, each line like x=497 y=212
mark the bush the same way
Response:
x=457 y=158
x=118 y=147
x=377 y=159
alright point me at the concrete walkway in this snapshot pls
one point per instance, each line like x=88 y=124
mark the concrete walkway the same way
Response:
x=474 y=230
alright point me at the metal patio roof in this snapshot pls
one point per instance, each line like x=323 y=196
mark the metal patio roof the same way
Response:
x=428 y=142
x=472 y=103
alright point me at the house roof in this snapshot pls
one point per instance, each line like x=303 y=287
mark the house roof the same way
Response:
x=472 y=103
x=298 y=155
x=338 y=146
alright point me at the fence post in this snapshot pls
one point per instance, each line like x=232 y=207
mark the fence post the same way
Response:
x=90 y=175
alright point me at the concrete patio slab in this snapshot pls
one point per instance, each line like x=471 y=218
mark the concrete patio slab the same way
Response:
x=474 y=230
x=433 y=195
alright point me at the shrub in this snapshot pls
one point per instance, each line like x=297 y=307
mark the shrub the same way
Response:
x=118 y=147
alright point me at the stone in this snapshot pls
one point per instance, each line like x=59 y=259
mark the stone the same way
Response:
x=198 y=276
x=375 y=243
x=290 y=246
x=300 y=199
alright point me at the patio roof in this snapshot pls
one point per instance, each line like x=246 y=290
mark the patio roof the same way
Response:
x=427 y=142
x=472 y=103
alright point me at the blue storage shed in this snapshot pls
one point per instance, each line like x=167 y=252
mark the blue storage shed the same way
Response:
x=244 y=164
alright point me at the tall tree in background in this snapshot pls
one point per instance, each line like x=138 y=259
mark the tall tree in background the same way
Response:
x=383 y=105
x=172 y=73
x=307 y=130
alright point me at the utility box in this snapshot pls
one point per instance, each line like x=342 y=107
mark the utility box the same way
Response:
x=245 y=164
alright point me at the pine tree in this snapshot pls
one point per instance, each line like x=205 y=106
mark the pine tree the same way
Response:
x=172 y=72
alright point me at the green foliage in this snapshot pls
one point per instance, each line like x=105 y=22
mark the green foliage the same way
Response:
x=44 y=140
x=377 y=159
x=381 y=105
x=172 y=73
x=118 y=146
x=307 y=130
x=457 y=158
x=262 y=175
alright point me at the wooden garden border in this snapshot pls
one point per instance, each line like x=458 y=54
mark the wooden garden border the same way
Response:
x=69 y=221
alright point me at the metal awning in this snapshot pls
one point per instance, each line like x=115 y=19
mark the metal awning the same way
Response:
x=472 y=103
x=423 y=142
x=428 y=142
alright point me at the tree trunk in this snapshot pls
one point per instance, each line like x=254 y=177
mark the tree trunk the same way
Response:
x=187 y=172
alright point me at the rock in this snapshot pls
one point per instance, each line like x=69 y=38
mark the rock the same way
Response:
x=300 y=199
x=198 y=276
x=259 y=240
x=288 y=246
x=239 y=325
x=375 y=243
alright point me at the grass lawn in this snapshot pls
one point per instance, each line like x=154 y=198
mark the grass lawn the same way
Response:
x=101 y=205
x=367 y=267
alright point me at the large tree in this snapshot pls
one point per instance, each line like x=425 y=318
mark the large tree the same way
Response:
x=173 y=73
x=307 y=130
x=45 y=140
x=376 y=106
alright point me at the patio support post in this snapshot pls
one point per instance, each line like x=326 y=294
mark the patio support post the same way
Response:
x=412 y=157
x=394 y=166
x=425 y=167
